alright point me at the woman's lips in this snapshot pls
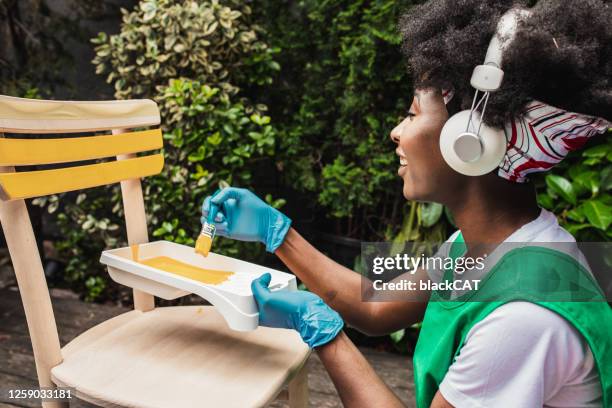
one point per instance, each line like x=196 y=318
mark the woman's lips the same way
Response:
x=402 y=161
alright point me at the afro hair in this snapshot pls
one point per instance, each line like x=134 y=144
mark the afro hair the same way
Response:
x=560 y=55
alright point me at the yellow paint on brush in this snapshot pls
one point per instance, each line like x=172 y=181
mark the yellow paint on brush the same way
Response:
x=167 y=264
x=203 y=244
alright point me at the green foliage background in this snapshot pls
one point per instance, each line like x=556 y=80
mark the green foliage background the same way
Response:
x=343 y=86
x=578 y=191
x=193 y=58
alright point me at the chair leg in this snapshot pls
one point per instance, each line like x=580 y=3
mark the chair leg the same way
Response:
x=55 y=404
x=298 y=389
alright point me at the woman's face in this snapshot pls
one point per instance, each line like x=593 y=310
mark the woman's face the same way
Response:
x=426 y=175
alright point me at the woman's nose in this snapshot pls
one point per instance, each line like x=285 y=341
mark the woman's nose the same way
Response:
x=396 y=133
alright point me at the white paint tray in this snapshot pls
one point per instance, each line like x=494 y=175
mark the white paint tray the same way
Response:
x=232 y=298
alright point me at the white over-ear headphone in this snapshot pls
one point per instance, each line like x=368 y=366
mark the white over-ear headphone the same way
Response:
x=468 y=145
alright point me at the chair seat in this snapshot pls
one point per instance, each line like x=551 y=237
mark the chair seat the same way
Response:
x=179 y=357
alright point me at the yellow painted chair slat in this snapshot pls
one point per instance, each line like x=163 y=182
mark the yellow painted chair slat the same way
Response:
x=27 y=152
x=29 y=184
x=20 y=115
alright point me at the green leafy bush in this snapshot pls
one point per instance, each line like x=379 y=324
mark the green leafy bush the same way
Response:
x=343 y=86
x=193 y=58
x=211 y=140
x=578 y=192
x=215 y=42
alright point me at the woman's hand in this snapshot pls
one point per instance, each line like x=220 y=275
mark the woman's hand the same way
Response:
x=302 y=311
x=239 y=214
x=321 y=327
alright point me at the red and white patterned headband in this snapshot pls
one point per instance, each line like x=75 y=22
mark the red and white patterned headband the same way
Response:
x=542 y=137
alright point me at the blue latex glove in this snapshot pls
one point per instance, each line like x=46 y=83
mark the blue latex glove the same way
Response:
x=302 y=311
x=240 y=214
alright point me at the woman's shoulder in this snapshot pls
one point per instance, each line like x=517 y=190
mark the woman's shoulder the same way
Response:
x=512 y=318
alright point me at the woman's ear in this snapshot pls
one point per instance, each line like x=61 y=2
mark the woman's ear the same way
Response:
x=454 y=106
x=430 y=99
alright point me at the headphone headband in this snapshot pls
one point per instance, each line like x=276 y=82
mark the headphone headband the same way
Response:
x=488 y=77
x=506 y=29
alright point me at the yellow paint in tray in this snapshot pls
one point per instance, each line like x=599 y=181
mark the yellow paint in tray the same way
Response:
x=170 y=265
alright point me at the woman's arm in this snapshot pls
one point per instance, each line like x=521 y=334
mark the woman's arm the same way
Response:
x=244 y=216
x=341 y=288
x=356 y=381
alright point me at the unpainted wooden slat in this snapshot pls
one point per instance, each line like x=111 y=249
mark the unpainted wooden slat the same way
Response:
x=20 y=115
x=45 y=182
x=28 y=152
x=136 y=225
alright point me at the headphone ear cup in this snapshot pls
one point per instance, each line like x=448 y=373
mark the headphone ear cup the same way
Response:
x=488 y=156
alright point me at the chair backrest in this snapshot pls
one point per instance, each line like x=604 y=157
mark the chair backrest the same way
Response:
x=124 y=165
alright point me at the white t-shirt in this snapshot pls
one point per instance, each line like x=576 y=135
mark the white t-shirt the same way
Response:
x=523 y=355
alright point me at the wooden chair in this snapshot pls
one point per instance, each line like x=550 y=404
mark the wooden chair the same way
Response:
x=148 y=357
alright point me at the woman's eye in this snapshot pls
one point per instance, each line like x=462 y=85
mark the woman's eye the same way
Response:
x=410 y=115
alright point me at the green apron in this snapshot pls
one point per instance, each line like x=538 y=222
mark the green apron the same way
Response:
x=534 y=274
